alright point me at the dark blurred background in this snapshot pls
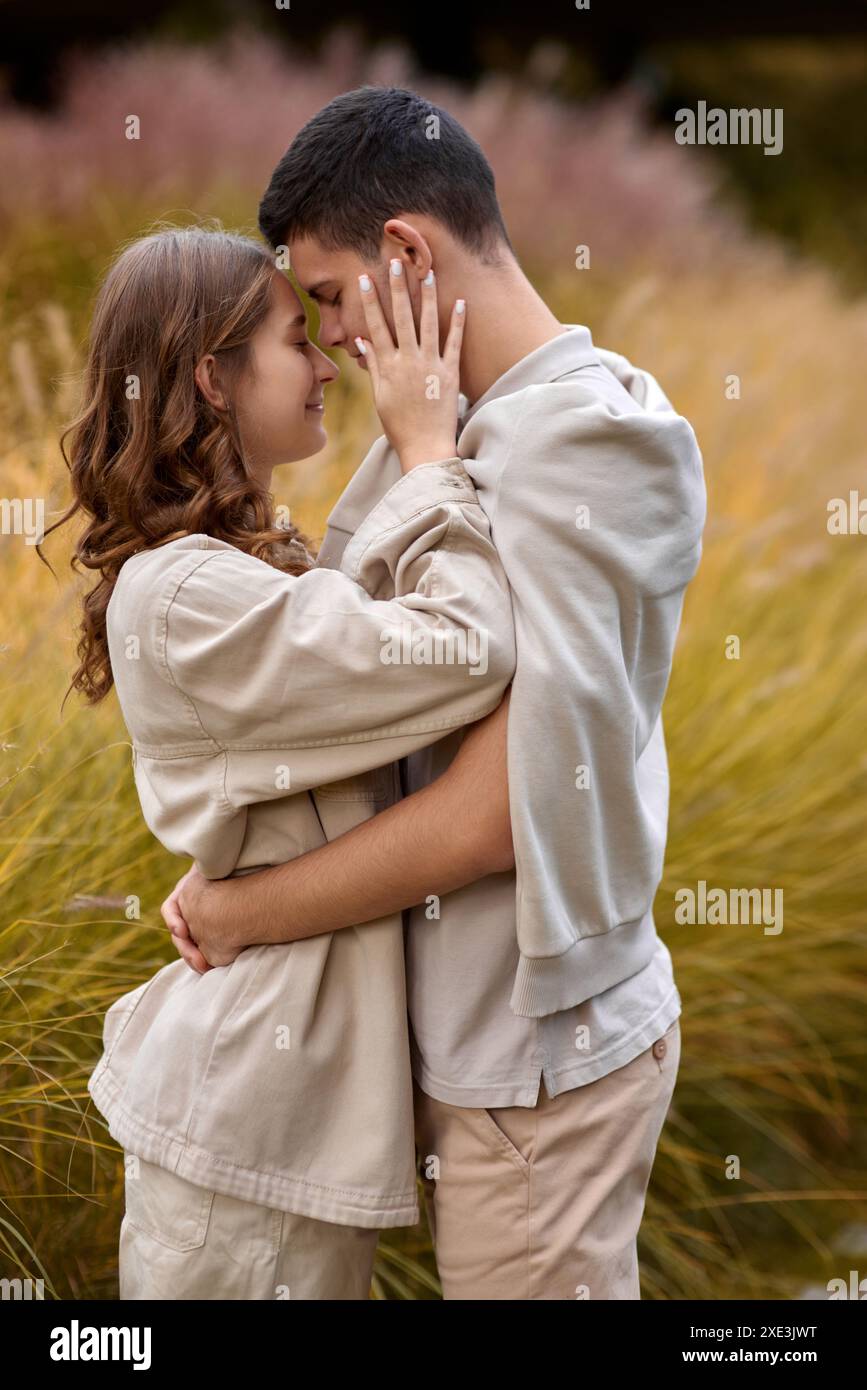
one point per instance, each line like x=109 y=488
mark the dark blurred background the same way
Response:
x=810 y=59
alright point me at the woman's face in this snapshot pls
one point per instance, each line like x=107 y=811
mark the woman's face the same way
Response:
x=279 y=397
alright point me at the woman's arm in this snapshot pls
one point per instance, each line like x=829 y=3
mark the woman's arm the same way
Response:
x=450 y=833
x=302 y=680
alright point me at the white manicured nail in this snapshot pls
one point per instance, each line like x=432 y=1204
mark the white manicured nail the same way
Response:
x=429 y=278
x=359 y=343
x=364 y=283
x=396 y=267
x=460 y=305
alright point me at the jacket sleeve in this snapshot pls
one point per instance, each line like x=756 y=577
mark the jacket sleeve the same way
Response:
x=598 y=522
x=307 y=679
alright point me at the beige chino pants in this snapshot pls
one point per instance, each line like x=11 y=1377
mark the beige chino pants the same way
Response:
x=545 y=1202
x=182 y=1241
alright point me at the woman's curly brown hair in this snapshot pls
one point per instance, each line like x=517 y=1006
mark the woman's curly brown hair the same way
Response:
x=149 y=459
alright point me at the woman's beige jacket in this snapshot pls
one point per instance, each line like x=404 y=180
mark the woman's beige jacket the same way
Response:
x=266 y=712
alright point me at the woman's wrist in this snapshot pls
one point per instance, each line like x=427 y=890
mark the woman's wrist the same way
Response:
x=432 y=451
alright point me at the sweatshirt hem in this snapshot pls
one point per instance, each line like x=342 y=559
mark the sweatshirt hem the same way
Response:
x=339 y=1206
x=582 y=1074
x=497 y=1094
x=485 y=1097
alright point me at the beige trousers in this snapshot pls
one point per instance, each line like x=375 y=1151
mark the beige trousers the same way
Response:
x=545 y=1202
x=182 y=1241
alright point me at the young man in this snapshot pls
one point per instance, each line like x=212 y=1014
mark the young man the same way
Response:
x=550 y=971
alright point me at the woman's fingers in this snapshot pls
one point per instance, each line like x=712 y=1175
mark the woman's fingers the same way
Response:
x=379 y=334
x=452 y=352
x=401 y=308
x=377 y=328
x=365 y=346
x=429 y=334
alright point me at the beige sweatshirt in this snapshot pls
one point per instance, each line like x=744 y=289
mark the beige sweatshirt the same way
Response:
x=597 y=504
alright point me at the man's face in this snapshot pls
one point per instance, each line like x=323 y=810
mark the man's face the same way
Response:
x=331 y=279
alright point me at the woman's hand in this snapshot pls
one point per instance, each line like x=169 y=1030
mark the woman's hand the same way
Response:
x=414 y=388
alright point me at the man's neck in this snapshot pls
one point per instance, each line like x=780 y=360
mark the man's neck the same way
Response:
x=506 y=320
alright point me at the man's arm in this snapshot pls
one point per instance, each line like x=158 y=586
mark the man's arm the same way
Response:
x=448 y=834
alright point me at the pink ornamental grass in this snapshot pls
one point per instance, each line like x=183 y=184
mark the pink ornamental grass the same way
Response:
x=216 y=119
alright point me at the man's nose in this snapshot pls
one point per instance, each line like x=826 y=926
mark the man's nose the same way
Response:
x=330 y=331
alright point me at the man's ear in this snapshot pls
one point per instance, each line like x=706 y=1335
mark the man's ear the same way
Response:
x=208 y=382
x=406 y=241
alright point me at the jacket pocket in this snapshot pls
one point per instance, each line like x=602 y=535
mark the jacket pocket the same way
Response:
x=166 y=1207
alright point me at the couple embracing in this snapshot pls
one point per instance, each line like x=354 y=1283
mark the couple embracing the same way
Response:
x=418 y=952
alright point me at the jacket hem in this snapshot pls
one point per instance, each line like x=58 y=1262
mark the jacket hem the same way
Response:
x=339 y=1206
x=592 y=964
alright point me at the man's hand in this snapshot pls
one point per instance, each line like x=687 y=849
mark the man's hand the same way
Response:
x=201 y=932
x=453 y=832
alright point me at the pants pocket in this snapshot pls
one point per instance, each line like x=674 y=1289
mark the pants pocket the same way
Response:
x=166 y=1207
x=496 y=1125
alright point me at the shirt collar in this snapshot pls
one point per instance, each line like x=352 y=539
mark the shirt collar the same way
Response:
x=569 y=349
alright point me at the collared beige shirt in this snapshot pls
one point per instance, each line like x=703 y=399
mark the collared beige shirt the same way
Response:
x=266 y=713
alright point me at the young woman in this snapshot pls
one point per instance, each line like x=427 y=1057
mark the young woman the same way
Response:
x=265 y=1107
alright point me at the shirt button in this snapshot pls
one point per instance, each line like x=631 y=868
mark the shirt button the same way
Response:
x=659 y=1048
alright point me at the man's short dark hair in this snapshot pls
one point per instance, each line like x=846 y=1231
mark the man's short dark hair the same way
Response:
x=371 y=154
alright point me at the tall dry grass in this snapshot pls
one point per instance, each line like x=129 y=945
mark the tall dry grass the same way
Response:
x=767 y=752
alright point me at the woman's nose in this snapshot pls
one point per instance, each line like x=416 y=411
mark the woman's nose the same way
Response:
x=328 y=370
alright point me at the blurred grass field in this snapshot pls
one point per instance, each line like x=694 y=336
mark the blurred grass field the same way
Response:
x=767 y=753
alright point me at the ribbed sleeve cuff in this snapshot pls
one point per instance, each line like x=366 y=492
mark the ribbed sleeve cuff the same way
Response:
x=550 y=984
